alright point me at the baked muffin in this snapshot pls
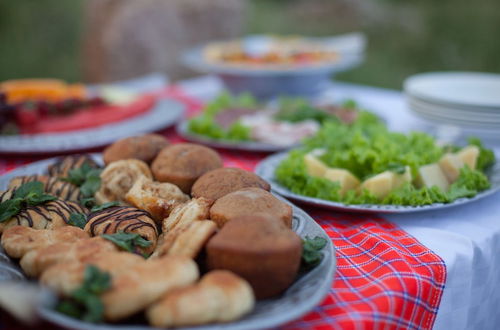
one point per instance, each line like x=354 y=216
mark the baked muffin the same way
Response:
x=51 y=184
x=260 y=249
x=65 y=164
x=123 y=219
x=183 y=163
x=222 y=181
x=50 y=215
x=158 y=198
x=250 y=201
x=144 y=147
x=118 y=177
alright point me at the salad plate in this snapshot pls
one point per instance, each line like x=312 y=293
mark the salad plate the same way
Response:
x=266 y=169
x=308 y=290
x=183 y=131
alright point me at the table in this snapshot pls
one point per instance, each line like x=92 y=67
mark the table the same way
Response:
x=466 y=237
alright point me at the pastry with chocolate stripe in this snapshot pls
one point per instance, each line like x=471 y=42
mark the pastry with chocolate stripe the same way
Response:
x=50 y=215
x=51 y=185
x=65 y=164
x=126 y=219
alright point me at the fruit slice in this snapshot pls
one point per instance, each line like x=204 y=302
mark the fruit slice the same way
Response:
x=380 y=185
x=432 y=175
x=314 y=166
x=450 y=165
x=469 y=155
x=345 y=178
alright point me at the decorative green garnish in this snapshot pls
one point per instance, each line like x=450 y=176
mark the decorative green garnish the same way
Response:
x=104 y=206
x=127 y=241
x=28 y=194
x=311 y=255
x=86 y=177
x=77 y=220
x=396 y=168
x=85 y=303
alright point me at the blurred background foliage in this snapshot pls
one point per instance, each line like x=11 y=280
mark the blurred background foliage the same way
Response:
x=42 y=38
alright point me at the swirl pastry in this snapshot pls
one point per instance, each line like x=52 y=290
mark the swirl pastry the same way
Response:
x=36 y=261
x=220 y=296
x=19 y=240
x=52 y=185
x=195 y=209
x=63 y=165
x=50 y=215
x=118 y=177
x=134 y=287
x=155 y=197
x=123 y=218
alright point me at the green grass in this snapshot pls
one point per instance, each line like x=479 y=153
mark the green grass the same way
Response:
x=41 y=38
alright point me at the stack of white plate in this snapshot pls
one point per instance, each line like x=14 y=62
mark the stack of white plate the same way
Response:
x=468 y=100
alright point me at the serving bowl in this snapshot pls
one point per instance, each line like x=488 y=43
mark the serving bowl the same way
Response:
x=269 y=81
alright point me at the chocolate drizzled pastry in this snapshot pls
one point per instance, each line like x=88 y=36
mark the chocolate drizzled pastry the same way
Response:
x=51 y=185
x=50 y=215
x=123 y=219
x=65 y=164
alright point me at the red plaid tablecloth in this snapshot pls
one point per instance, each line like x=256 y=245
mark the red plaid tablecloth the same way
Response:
x=385 y=279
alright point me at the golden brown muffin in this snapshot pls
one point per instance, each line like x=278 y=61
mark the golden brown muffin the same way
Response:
x=220 y=296
x=144 y=147
x=186 y=240
x=222 y=181
x=183 y=163
x=51 y=185
x=118 y=177
x=195 y=209
x=250 y=201
x=261 y=250
x=49 y=215
x=123 y=219
x=65 y=164
x=157 y=198
x=36 y=261
x=19 y=240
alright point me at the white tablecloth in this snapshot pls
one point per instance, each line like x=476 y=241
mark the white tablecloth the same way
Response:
x=466 y=237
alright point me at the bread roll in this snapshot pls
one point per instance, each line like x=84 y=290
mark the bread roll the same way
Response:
x=144 y=147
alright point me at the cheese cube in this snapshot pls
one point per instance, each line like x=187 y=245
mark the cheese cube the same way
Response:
x=450 y=165
x=314 y=166
x=400 y=179
x=469 y=156
x=432 y=175
x=380 y=185
x=345 y=178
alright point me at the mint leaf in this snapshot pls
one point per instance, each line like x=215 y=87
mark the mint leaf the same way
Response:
x=77 y=220
x=29 y=188
x=85 y=303
x=311 y=255
x=86 y=177
x=104 y=206
x=127 y=241
x=9 y=208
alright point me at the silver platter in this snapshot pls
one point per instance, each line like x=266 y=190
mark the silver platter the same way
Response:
x=307 y=292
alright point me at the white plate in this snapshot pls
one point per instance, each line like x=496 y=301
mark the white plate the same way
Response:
x=266 y=168
x=460 y=88
x=307 y=291
x=182 y=130
x=165 y=113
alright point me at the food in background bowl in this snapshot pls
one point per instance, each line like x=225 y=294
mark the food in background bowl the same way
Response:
x=271 y=51
x=33 y=106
